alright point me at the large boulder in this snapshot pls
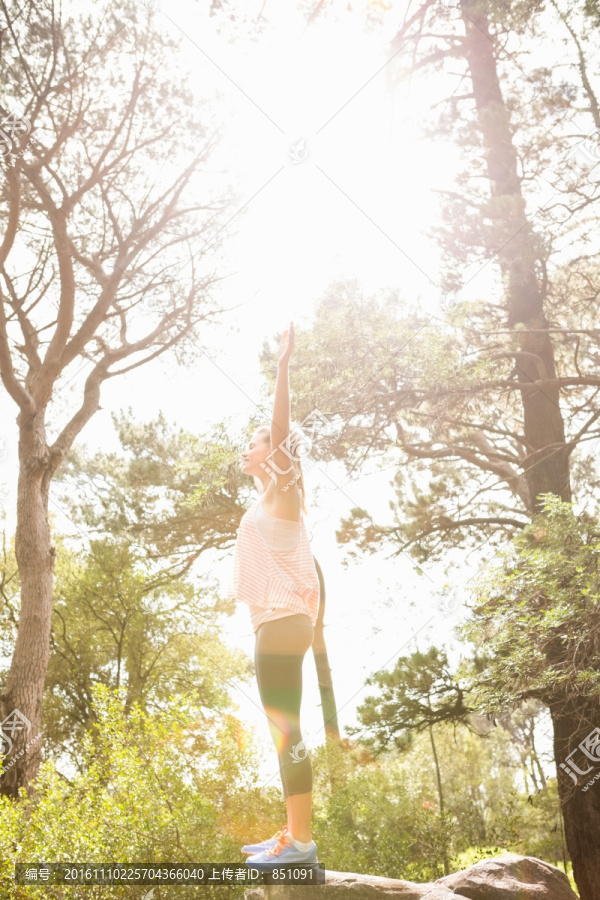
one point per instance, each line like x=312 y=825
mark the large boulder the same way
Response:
x=508 y=877
x=345 y=884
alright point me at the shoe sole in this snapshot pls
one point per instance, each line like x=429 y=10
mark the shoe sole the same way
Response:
x=283 y=863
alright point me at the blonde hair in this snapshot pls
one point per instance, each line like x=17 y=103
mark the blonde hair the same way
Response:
x=294 y=442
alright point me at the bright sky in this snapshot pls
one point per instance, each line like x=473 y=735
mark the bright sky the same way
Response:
x=337 y=182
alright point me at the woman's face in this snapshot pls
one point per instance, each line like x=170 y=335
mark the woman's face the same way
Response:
x=255 y=453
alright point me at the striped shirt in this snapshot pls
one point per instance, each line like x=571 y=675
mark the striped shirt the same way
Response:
x=273 y=582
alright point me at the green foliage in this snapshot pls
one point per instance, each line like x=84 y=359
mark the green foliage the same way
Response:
x=180 y=786
x=537 y=620
x=172 y=493
x=419 y=692
x=381 y=816
x=177 y=787
x=9 y=599
x=592 y=10
x=126 y=609
x=422 y=395
x=120 y=620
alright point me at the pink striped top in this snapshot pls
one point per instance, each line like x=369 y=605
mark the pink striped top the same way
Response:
x=273 y=583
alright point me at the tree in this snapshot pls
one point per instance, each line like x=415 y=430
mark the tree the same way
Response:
x=149 y=787
x=538 y=625
x=488 y=401
x=521 y=725
x=105 y=211
x=325 y=681
x=122 y=622
x=418 y=693
x=174 y=494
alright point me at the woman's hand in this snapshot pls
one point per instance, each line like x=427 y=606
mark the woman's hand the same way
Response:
x=286 y=346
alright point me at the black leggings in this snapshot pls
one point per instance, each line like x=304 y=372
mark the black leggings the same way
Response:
x=279 y=652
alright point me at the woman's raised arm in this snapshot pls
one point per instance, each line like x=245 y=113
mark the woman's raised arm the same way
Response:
x=280 y=423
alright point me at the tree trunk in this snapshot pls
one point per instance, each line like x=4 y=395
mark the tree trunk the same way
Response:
x=21 y=704
x=547 y=466
x=328 y=706
x=535 y=761
x=438 y=776
x=518 y=250
x=573 y=722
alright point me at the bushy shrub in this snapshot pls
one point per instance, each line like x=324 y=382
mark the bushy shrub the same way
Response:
x=175 y=789
x=184 y=787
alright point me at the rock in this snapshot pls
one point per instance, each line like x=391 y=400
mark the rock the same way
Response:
x=340 y=885
x=509 y=877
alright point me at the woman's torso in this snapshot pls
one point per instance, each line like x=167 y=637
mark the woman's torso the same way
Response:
x=274 y=570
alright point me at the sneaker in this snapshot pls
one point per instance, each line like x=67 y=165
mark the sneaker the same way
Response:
x=284 y=852
x=264 y=845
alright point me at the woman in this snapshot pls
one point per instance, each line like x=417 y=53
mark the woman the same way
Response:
x=274 y=573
